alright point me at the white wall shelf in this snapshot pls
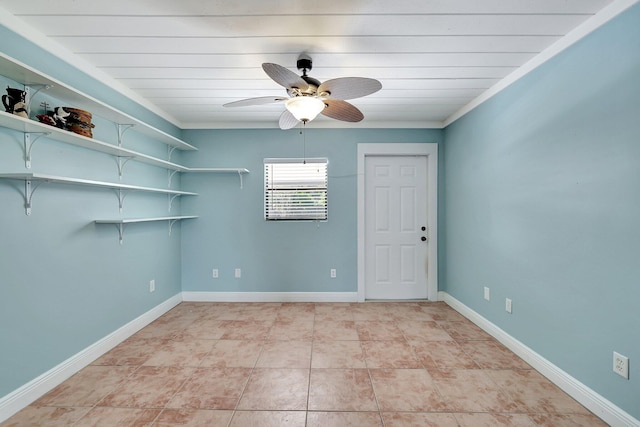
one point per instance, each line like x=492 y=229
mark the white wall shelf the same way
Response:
x=239 y=171
x=30 y=188
x=120 y=223
x=218 y=170
x=26 y=75
x=31 y=127
x=33 y=131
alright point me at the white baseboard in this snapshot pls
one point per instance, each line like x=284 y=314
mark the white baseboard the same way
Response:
x=603 y=408
x=34 y=389
x=270 y=296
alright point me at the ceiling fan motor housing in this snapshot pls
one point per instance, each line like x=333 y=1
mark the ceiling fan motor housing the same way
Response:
x=311 y=89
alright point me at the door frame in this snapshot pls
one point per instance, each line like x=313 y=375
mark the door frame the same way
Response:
x=430 y=150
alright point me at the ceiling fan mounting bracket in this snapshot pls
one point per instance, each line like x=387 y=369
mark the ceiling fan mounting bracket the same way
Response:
x=304 y=64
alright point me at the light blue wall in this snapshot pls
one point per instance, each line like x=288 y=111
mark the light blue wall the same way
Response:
x=65 y=282
x=274 y=256
x=542 y=205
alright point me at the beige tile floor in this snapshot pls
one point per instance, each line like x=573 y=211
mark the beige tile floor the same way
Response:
x=303 y=364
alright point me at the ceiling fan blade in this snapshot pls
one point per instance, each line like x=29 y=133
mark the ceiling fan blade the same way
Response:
x=284 y=77
x=287 y=121
x=349 y=87
x=342 y=110
x=255 y=101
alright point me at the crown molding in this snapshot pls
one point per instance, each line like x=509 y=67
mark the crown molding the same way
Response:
x=575 y=35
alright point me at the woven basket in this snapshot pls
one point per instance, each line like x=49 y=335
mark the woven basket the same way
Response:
x=78 y=116
x=79 y=121
x=81 y=129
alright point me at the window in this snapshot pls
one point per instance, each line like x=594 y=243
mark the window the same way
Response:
x=295 y=189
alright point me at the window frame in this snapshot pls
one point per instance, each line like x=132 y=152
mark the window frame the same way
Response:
x=271 y=213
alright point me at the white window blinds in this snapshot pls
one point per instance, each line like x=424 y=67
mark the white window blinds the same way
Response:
x=295 y=189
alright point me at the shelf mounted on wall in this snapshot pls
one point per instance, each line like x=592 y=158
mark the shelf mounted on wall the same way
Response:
x=35 y=130
x=27 y=126
x=239 y=171
x=121 y=223
x=28 y=76
x=121 y=189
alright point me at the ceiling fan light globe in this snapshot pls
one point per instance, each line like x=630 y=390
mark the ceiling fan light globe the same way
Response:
x=304 y=108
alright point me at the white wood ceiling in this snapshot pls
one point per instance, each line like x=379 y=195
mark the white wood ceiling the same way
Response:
x=188 y=57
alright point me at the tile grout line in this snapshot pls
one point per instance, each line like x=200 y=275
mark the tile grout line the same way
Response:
x=246 y=384
x=186 y=381
x=117 y=387
x=313 y=335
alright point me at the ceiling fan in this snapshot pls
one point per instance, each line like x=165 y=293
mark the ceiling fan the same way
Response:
x=308 y=97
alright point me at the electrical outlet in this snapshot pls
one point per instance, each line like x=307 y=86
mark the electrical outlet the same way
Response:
x=152 y=285
x=487 y=293
x=621 y=365
x=238 y=273
x=215 y=273
x=507 y=305
x=333 y=273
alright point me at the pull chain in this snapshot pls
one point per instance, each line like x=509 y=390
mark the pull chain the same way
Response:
x=304 y=142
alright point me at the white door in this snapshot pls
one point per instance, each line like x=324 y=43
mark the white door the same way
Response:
x=396 y=229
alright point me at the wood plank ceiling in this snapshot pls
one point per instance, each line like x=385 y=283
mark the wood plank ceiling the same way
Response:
x=189 y=57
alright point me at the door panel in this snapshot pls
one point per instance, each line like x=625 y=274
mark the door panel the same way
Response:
x=395 y=211
x=382 y=264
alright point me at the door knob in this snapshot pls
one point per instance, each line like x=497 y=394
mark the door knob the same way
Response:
x=424 y=239
x=423 y=228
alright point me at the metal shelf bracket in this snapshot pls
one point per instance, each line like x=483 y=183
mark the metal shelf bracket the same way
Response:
x=170 y=150
x=172 y=197
x=29 y=189
x=122 y=128
x=28 y=145
x=171 y=222
x=241 y=179
x=28 y=89
x=171 y=174
x=121 y=196
x=121 y=164
x=120 y=228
